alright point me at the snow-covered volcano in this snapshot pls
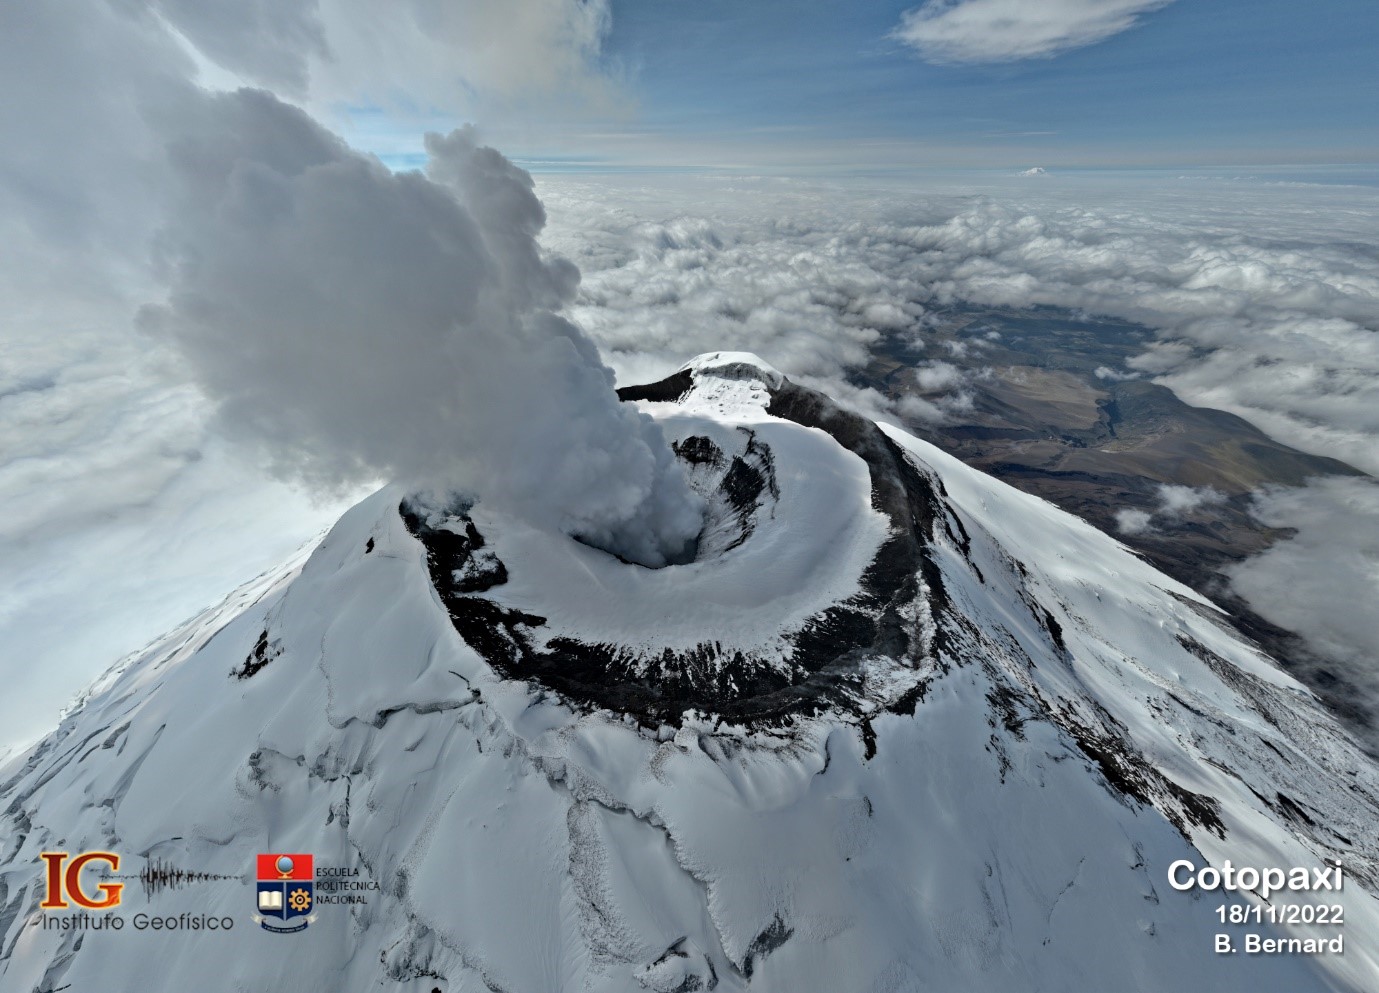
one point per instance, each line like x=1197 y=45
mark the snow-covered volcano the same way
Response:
x=808 y=588
x=897 y=726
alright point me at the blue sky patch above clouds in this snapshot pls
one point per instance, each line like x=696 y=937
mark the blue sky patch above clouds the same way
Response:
x=873 y=86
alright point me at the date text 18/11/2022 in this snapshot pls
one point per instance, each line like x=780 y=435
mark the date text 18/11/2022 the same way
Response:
x=1183 y=875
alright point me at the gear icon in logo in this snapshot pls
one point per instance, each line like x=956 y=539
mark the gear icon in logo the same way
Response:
x=299 y=900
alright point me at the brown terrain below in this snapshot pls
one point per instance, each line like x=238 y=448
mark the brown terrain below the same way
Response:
x=1042 y=419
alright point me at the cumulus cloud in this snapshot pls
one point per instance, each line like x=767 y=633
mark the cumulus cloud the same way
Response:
x=1106 y=372
x=938 y=376
x=1178 y=501
x=1007 y=30
x=1132 y=521
x=1175 y=503
x=677 y=270
x=921 y=409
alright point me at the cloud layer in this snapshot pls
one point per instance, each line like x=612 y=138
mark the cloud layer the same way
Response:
x=1265 y=304
x=1008 y=30
x=1321 y=582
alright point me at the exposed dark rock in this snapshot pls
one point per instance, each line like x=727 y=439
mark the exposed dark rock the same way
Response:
x=698 y=450
x=776 y=934
x=1128 y=772
x=667 y=390
x=259 y=656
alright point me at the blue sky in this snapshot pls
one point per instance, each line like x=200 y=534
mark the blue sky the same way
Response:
x=828 y=85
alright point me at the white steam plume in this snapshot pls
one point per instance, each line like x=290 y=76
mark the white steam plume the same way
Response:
x=363 y=324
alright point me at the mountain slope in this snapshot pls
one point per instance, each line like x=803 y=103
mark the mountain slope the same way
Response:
x=897 y=727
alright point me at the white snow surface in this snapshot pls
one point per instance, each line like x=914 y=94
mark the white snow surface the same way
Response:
x=523 y=846
x=808 y=549
x=733 y=365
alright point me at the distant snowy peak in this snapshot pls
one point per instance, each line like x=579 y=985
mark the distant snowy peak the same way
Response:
x=1035 y=171
x=726 y=384
x=733 y=366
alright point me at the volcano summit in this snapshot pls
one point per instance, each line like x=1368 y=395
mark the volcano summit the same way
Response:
x=810 y=587
x=892 y=726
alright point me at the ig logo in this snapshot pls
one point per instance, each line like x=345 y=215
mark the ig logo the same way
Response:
x=63 y=886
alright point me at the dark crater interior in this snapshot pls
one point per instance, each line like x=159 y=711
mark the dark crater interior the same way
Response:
x=825 y=665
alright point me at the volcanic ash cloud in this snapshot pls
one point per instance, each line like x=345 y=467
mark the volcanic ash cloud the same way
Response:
x=360 y=324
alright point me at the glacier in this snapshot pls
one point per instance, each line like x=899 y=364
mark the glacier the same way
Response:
x=896 y=727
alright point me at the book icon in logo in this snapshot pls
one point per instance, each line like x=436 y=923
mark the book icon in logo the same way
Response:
x=286 y=891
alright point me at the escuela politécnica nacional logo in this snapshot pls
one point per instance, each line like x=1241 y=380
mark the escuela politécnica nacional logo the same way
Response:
x=286 y=892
